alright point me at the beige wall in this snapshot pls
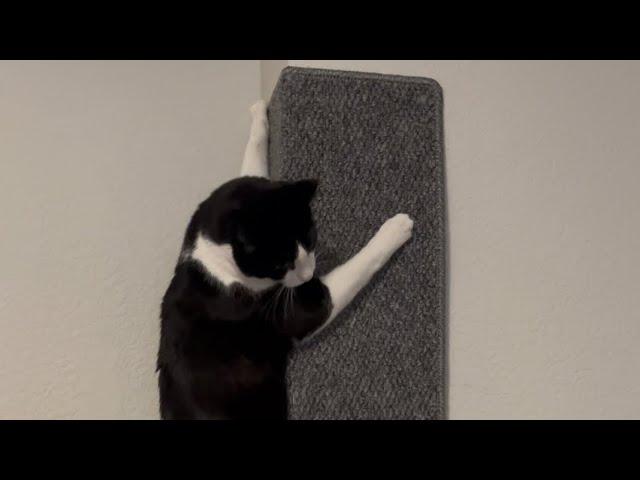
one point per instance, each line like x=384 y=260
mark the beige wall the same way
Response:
x=269 y=73
x=543 y=164
x=101 y=165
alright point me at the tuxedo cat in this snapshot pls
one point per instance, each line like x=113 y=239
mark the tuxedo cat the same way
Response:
x=244 y=291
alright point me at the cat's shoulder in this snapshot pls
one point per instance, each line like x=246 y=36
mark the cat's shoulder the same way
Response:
x=193 y=290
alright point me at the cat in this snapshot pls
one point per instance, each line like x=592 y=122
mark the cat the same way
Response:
x=244 y=291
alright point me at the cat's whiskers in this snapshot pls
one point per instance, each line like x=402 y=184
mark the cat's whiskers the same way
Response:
x=293 y=299
x=277 y=297
x=271 y=304
x=292 y=292
x=286 y=302
x=281 y=301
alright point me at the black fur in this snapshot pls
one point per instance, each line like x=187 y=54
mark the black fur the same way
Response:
x=223 y=351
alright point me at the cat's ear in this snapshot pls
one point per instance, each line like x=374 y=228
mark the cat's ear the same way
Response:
x=304 y=190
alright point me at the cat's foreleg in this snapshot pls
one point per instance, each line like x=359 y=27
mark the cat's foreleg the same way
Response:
x=254 y=162
x=348 y=279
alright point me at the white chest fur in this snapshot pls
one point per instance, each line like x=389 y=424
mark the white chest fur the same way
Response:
x=218 y=260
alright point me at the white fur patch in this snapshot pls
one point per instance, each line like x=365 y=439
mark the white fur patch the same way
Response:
x=305 y=265
x=219 y=262
x=255 y=162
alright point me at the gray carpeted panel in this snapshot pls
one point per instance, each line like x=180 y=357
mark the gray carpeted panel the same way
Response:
x=375 y=142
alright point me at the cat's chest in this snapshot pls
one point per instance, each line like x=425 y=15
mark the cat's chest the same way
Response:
x=246 y=335
x=239 y=329
x=254 y=312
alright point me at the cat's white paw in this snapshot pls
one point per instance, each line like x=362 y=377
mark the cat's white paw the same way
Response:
x=394 y=232
x=260 y=123
x=259 y=110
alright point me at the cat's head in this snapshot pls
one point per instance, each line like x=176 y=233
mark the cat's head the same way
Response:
x=274 y=235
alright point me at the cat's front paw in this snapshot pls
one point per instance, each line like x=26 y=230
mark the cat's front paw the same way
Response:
x=259 y=110
x=260 y=123
x=394 y=232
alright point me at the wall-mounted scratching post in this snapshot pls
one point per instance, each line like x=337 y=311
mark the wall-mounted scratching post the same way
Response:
x=375 y=142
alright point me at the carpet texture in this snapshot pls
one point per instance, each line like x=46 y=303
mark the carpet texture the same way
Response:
x=375 y=142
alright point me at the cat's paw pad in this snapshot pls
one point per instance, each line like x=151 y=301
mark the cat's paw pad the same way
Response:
x=395 y=231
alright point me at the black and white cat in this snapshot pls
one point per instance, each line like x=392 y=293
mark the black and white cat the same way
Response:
x=244 y=291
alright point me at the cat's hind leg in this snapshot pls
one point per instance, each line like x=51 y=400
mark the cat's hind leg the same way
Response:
x=255 y=163
x=345 y=281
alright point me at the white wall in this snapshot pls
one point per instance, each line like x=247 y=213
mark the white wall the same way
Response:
x=543 y=164
x=269 y=74
x=101 y=165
